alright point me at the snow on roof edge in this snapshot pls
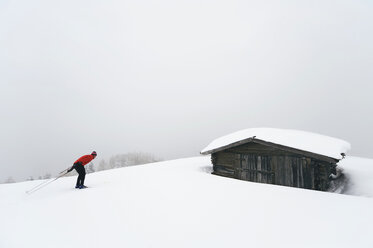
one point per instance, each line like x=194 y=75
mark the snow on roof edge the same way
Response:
x=301 y=140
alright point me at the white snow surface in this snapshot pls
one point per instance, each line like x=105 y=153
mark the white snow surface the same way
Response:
x=306 y=141
x=180 y=204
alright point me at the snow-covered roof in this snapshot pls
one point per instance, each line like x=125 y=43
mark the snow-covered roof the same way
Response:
x=301 y=140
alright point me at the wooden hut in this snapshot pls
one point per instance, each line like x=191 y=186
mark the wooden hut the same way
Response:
x=275 y=156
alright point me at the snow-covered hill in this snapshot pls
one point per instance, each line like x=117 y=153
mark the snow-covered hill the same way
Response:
x=180 y=204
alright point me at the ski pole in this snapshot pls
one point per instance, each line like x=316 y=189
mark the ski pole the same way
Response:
x=37 y=186
x=47 y=181
x=43 y=184
x=65 y=170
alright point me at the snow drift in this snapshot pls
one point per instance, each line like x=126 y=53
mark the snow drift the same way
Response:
x=180 y=204
x=306 y=141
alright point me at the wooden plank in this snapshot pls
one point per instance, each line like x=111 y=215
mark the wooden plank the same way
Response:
x=222 y=174
x=297 y=151
x=256 y=171
x=252 y=148
x=259 y=167
x=293 y=171
x=223 y=168
x=284 y=168
x=287 y=171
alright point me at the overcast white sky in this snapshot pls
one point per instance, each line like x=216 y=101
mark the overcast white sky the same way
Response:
x=167 y=77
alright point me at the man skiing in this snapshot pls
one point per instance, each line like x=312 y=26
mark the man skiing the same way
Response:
x=79 y=167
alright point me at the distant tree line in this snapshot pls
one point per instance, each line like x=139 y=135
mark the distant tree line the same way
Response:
x=117 y=161
x=127 y=159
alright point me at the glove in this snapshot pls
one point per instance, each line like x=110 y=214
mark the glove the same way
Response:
x=72 y=167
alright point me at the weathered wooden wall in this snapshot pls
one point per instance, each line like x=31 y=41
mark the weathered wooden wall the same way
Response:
x=264 y=164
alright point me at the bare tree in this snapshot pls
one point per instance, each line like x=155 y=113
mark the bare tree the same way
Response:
x=127 y=159
x=132 y=158
x=10 y=180
x=102 y=165
x=47 y=176
x=90 y=168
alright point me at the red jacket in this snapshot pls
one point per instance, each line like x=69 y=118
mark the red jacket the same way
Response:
x=84 y=159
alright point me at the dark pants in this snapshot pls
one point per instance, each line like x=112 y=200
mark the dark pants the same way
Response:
x=81 y=171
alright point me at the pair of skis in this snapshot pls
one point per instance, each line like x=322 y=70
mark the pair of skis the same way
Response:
x=45 y=183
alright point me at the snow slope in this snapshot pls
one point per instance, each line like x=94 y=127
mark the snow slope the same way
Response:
x=180 y=204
